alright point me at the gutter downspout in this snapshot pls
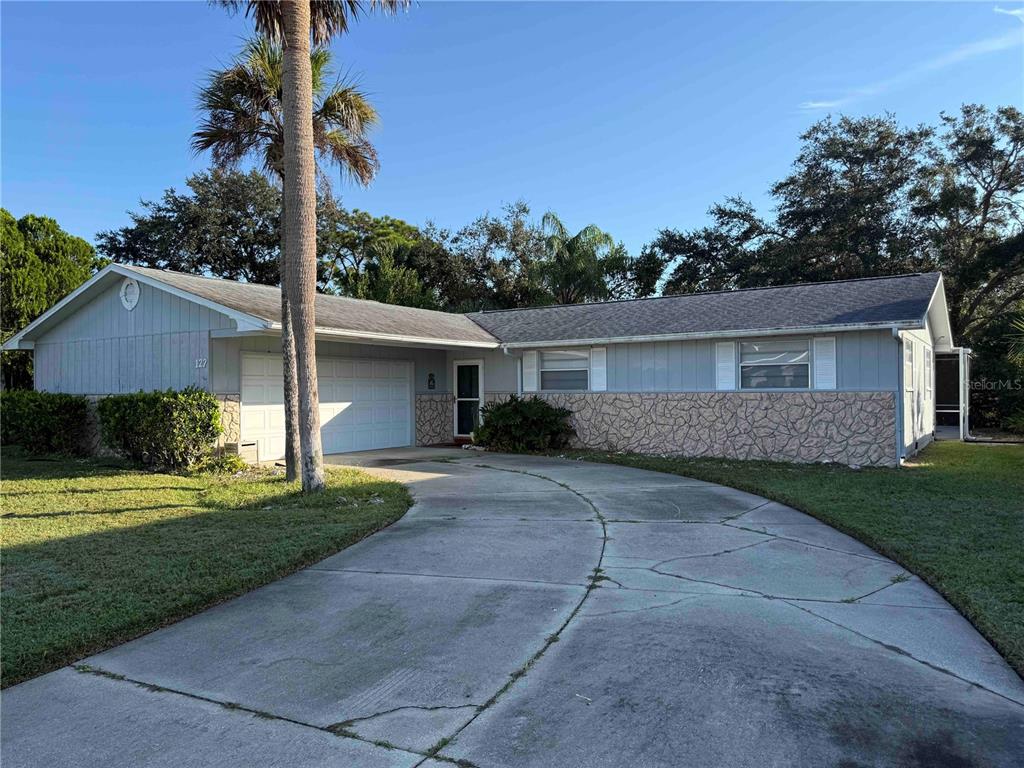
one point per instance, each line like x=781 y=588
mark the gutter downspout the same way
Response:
x=519 y=369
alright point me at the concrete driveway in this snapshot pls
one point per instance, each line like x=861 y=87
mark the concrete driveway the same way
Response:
x=538 y=612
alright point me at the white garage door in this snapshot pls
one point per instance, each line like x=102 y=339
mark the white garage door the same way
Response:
x=364 y=404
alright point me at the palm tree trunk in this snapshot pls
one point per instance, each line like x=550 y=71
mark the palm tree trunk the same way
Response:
x=291 y=386
x=300 y=230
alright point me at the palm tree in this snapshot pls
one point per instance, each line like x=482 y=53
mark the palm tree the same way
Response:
x=243 y=108
x=1017 y=341
x=293 y=23
x=577 y=265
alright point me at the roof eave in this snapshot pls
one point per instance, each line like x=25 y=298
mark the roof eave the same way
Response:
x=392 y=339
x=736 y=334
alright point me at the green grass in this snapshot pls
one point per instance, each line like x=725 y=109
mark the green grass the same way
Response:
x=94 y=554
x=954 y=516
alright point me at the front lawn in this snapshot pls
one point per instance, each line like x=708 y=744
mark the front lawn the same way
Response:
x=954 y=516
x=94 y=554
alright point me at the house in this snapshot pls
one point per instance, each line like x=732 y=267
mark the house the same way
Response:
x=842 y=371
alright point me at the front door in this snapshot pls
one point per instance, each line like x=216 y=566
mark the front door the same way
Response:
x=468 y=396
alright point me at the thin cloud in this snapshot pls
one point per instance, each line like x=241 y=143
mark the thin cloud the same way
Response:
x=1015 y=12
x=959 y=54
x=826 y=104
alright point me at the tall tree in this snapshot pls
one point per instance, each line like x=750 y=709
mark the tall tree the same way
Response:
x=867 y=197
x=40 y=264
x=226 y=224
x=294 y=23
x=244 y=116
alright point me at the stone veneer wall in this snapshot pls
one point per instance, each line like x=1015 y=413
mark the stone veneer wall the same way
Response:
x=857 y=428
x=230 y=420
x=434 y=415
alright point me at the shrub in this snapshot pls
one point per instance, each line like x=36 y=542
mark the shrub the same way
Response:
x=43 y=422
x=519 y=424
x=1016 y=423
x=165 y=430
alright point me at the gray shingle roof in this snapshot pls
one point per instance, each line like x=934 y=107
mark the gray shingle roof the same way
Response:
x=332 y=312
x=881 y=300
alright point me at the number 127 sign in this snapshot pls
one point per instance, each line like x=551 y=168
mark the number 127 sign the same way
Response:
x=200 y=362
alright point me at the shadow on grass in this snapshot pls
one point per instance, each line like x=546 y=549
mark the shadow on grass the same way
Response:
x=86 y=586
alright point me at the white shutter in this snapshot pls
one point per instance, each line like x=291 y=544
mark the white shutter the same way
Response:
x=529 y=372
x=725 y=365
x=825 y=363
x=598 y=369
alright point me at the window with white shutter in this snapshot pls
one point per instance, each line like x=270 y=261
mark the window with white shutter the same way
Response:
x=825 y=363
x=529 y=372
x=725 y=365
x=598 y=369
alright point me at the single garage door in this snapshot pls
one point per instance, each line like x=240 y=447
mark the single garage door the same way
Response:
x=364 y=404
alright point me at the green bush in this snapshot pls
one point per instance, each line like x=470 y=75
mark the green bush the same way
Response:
x=43 y=422
x=1016 y=423
x=519 y=424
x=164 y=430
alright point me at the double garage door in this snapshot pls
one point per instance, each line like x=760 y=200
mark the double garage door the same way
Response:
x=364 y=404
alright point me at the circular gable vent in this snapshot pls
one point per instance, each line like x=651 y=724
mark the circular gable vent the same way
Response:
x=129 y=293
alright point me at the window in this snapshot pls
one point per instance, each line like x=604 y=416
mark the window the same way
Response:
x=775 y=365
x=565 y=370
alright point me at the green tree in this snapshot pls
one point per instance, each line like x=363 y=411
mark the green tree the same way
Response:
x=390 y=283
x=228 y=225
x=40 y=264
x=867 y=197
x=244 y=108
x=591 y=266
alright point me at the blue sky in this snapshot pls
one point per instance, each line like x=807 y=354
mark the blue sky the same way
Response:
x=632 y=116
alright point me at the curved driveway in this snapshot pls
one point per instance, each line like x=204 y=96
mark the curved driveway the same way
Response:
x=537 y=612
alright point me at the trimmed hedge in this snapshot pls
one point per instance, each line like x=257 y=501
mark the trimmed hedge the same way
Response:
x=519 y=424
x=163 y=430
x=43 y=422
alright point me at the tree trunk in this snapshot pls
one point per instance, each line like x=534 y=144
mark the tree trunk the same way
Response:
x=300 y=230
x=291 y=387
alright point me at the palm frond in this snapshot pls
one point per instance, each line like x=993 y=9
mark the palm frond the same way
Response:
x=347 y=107
x=243 y=115
x=357 y=158
x=327 y=18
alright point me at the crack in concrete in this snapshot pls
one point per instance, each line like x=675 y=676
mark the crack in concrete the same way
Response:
x=879 y=558
x=87 y=669
x=764 y=503
x=905 y=653
x=640 y=610
x=552 y=638
x=445 y=576
x=345 y=724
x=708 y=554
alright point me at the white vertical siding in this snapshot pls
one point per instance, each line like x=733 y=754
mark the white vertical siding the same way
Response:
x=918 y=398
x=104 y=348
x=864 y=361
